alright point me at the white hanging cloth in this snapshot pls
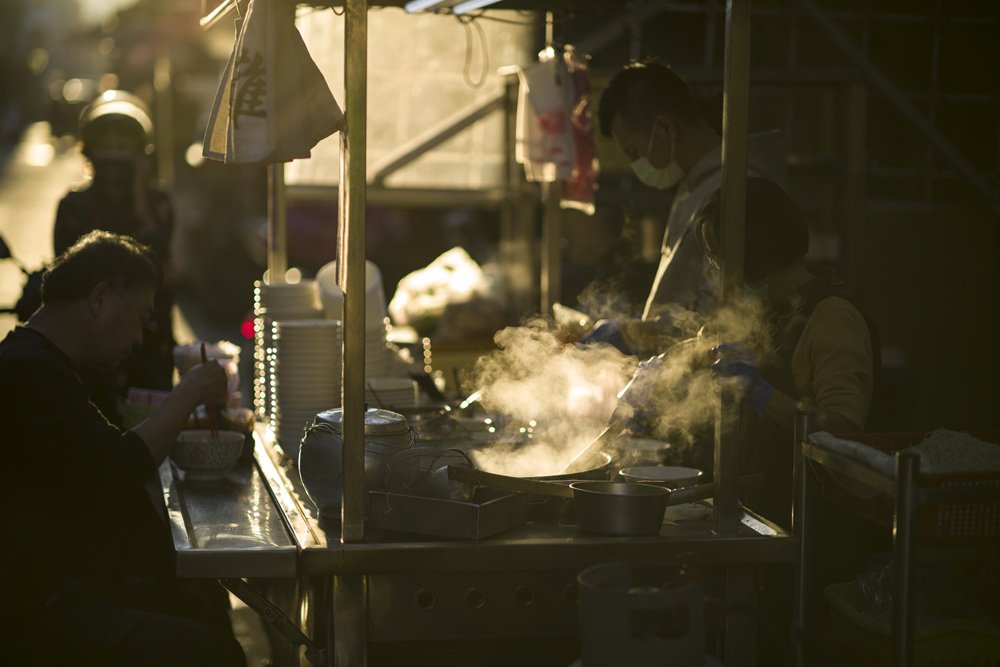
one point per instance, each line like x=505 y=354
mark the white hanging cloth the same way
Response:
x=543 y=133
x=554 y=133
x=273 y=104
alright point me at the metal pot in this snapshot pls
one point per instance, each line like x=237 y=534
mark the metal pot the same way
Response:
x=320 y=454
x=619 y=508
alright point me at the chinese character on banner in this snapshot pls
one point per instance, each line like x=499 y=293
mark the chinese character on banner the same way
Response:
x=273 y=104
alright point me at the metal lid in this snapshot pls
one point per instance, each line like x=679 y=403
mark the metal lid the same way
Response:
x=377 y=421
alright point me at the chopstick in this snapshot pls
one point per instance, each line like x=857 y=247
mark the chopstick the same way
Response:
x=212 y=420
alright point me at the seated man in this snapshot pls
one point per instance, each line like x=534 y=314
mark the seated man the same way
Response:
x=812 y=346
x=87 y=563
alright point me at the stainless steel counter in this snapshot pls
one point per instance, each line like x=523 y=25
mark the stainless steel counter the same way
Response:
x=227 y=528
x=259 y=523
x=521 y=583
x=531 y=546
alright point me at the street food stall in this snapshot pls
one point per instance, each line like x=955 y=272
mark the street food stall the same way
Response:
x=376 y=568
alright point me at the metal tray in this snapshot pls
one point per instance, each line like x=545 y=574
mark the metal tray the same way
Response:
x=490 y=513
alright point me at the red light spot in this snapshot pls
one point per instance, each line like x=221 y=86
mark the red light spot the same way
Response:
x=247 y=329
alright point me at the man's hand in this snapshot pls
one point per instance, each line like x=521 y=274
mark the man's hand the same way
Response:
x=632 y=336
x=206 y=383
x=636 y=398
x=736 y=360
x=609 y=332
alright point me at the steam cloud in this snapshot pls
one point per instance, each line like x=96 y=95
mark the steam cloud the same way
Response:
x=564 y=393
x=567 y=393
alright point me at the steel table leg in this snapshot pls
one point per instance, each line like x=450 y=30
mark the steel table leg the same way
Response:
x=350 y=620
x=801 y=490
x=741 y=630
x=904 y=539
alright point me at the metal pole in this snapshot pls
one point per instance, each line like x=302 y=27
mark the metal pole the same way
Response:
x=800 y=526
x=350 y=621
x=735 y=103
x=351 y=264
x=277 y=237
x=510 y=211
x=551 y=247
x=350 y=601
x=904 y=538
x=163 y=84
x=277 y=227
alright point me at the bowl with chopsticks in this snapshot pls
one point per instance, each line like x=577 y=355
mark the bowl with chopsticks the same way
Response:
x=204 y=456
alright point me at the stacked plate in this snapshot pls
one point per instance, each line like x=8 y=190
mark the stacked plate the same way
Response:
x=390 y=393
x=285 y=301
x=305 y=379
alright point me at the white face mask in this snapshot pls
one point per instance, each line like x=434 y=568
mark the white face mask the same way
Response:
x=661 y=179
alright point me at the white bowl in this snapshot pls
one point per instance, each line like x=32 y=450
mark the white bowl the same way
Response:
x=203 y=458
x=673 y=477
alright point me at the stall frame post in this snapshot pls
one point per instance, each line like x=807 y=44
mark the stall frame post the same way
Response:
x=350 y=599
x=551 y=260
x=904 y=538
x=801 y=490
x=277 y=227
x=735 y=104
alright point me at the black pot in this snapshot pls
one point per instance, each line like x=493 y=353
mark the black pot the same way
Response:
x=619 y=508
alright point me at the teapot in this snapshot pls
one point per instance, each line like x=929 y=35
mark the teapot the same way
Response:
x=321 y=454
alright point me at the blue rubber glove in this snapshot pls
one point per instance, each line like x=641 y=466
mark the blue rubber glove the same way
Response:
x=610 y=332
x=736 y=360
x=635 y=399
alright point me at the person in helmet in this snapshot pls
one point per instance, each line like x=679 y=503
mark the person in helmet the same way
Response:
x=116 y=135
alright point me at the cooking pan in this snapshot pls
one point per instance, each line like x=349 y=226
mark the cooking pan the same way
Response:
x=546 y=507
x=608 y=508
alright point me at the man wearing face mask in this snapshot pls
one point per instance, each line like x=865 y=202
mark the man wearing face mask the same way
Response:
x=651 y=114
x=116 y=135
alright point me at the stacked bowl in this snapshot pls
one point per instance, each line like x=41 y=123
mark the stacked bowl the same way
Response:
x=377 y=358
x=306 y=376
x=390 y=393
x=271 y=303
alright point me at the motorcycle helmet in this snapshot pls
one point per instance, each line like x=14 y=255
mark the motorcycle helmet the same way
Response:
x=116 y=120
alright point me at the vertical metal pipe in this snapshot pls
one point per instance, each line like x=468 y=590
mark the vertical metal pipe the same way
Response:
x=351 y=263
x=277 y=237
x=551 y=247
x=800 y=528
x=904 y=539
x=740 y=642
x=277 y=227
x=512 y=196
x=350 y=620
x=163 y=84
x=350 y=596
x=735 y=104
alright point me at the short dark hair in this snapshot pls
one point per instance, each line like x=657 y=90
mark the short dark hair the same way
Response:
x=98 y=257
x=641 y=91
x=776 y=231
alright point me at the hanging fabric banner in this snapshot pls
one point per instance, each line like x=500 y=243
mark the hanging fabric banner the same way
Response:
x=273 y=104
